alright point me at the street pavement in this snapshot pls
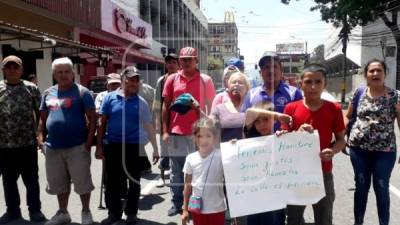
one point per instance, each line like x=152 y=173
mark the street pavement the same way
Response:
x=155 y=202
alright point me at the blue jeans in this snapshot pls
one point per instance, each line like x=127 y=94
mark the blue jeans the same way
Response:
x=276 y=217
x=179 y=147
x=164 y=159
x=379 y=166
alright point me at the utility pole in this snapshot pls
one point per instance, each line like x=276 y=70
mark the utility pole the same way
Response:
x=344 y=35
x=383 y=46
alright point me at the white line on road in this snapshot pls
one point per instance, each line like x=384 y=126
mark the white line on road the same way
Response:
x=394 y=190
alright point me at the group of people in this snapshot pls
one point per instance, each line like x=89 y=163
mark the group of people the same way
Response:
x=63 y=120
x=275 y=107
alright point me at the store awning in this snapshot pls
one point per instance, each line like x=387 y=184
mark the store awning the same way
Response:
x=119 y=47
x=15 y=32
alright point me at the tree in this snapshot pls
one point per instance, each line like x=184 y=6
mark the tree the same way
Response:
x=215 y=69
x=350 y=13
x=318 y=54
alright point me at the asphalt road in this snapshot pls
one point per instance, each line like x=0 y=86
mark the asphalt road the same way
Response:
x=155 y=202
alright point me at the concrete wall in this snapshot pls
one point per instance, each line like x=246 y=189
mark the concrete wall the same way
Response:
x=366 y=43
x=335 y=85
x=28 y=19
x=377 y=36
x=43 y=66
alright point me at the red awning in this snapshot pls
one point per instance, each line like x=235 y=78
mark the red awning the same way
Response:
x=133 y=55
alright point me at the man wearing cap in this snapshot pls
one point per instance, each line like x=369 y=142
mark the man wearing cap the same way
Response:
x=274 y=89
x=19 y=106
x=66 y=139
x=113 y=83
x=127 y=118
x=177 y=129
x=172 y=66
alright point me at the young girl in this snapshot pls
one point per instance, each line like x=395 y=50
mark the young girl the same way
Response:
x=260 y=122
x=204 y=177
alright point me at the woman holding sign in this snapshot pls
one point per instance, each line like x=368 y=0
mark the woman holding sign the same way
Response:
x=372 y=140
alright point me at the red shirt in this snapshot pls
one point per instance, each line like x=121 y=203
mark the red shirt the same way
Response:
x=328 y=120
x=200 y=87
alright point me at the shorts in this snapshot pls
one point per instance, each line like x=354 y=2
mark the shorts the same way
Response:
x=66 y=166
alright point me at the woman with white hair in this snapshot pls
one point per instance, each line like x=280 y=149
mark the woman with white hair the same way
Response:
x=228 y=112
x=223 y=96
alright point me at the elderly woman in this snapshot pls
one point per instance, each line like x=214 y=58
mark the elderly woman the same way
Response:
x=222 y=94
x=372 y=140
x=228 y=112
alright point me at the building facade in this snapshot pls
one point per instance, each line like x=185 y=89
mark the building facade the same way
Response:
x=293 y=57
x=223 y=39
x=374 y=40
x=100 y=36
x=176 y=24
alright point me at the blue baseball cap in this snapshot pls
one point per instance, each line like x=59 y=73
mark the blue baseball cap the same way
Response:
x=236 y=62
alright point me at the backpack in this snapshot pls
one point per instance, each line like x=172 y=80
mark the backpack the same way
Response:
x=358 y=94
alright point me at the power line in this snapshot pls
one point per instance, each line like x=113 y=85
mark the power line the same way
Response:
x=278 y=26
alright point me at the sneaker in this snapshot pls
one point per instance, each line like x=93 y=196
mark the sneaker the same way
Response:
x=59 y=219
x=160 y=183
x=146 y=172
x=37 y=216
x=131 y=220
x=87 y=218
x=173 y=211
x=111 y=219
x=8 y=217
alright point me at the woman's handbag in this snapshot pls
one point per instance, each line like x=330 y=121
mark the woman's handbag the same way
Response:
x=195 y=204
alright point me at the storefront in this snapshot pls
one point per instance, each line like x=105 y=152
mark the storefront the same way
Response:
x=125 y=34
x=37 y=50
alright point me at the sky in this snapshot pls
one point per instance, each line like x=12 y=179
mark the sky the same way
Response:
x=264 y=23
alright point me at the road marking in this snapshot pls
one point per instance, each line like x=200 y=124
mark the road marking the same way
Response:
x=147 y=189
x=394 y=190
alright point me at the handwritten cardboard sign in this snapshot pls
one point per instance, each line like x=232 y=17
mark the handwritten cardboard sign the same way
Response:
x=267 y=173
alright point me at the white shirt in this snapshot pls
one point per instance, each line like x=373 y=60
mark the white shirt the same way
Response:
x=99 y=100
x=213 y=196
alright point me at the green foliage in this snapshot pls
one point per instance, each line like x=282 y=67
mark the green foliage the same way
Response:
x=350 y=13
x=356 y=12
x=215 y=63
x=215 y=69
x=318 y=54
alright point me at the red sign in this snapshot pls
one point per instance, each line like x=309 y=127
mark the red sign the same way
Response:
x=118 y=21
x=124 y=24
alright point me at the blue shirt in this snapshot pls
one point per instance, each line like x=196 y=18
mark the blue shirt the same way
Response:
x=283 y=95
x=125 y=116
x=66 y=122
